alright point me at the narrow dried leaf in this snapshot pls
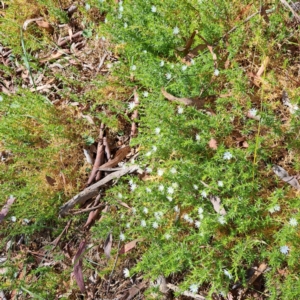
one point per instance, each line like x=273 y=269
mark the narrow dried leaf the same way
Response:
x=216 y=202
x=55 y=55
x=213 y=144
x=257 y=273
x=263 y=66
x=214 y=56
x=135 y=290
x=88 y=156
x=78 y=266
x=107 y=245
x=27 y=22
x=284 y=175
x=124 y=204
x=5 y=209
x=88 y=118
x=129 y=246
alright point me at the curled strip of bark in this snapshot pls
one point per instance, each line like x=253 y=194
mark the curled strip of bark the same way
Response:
x=107 y=149
x=135 y=115
x=198 y=103
x=99 y=156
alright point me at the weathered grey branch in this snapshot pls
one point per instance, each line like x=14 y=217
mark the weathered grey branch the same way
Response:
x=93 y=190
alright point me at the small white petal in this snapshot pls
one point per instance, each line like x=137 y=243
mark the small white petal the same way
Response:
x=148 y=190
x=154 y=148
x=160 y=172
x=176 y=208
x=184 y=67
x=167 y=236
x=153 y=9
x=162 y=63
x=176 y=30
x=227 y=155
x=126 y=273
x=149 y=170
x=180 y=110
x=122 y=237
x=168 y=76
x=216 y=72
x=195 y=187
x=170 y=190
x=161 y=187
x=175 y=185
x=173 y=171
x=127 y=225
x=194 y=288
x=220 y=183
x=145 y=94
x=13 y=219
x=197 y=137
x=227 y=274
x=143 y=223
x=170 y=198
x=203 y=194
x=157 y=130
x=293 y=222
x=197 y=224
x=145 y=210
x=133 y=67
x=221 y=220
x=200 y=210
x=155 y=225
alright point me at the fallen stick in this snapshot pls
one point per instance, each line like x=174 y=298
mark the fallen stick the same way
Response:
x=93 y=190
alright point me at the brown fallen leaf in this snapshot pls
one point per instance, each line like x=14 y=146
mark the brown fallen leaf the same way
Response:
x=50 y=180
x=119 y=156
x=263 y=66
x=129 y=246
x=245 y=144
x=45 y=25
x=213 y=144
x=78 y=266
x=5 y=209
x=133 y=291
x=198 y=103
x=108 y=245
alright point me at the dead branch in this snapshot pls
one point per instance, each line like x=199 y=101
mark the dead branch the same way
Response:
x=93 y=190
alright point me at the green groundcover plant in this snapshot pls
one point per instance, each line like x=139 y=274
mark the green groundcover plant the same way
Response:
x=171 y=209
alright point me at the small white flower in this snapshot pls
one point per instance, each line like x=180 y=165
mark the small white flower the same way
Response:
x=154 y=148
x=184 y=67
x=143 y=223
x=148 y=190
x=126 y=273
x=133 y=186
x=170 y=198
x=120 y=196
x=125 y=25
x=197 y=224
x=148 y=153
x=170 y=190
x=175 y=185
x=284 y=249
x=277 y=207
x=160 y=172
x=145 y=210
x=201 y=217
x=176 y=30
x=167 y=236
x=131 y=105
x=186 y=217
x=158 y=215
x=200 y=210
x=161 y=187
x=190 y=220
x=121 y=8
x=180 y=110
x=197 y=137
x=155 y=225
x=271 y=210
x=192 y=62
x=216 y=72
x=145 y=94
x=195 y=187
x=26 y=221
x=153 y=9
x=133 y=67
x=122 y=237
x=227 y=274
x=127 y=225
x=13 y=219
x=157 y=130
x=253 y=112
x=227 y=155
x=220 y=183
x=133 y=210
x=176 y=208
x=193 y=288
x=87 y=6
x=173 y=171
x=149 y=170
x=203 y=194
x=168 y=76
x=162 y=63
x=293 y=222
x=221 y=220
x=120 y=16
x=103 y=38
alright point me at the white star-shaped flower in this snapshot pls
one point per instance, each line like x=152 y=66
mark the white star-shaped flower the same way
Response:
x=170 y=190
x=227 y=155
x=176 y=30
x=293 y=222
x=157 y=130
x=153 y=9
x=126 y=273
x=168 y=76
x=162 y=63
x=133 y=67
x=160 y=172
x=194 y=288
x=155 y=225
x=143 y=223
x=122 y=237
x=180 y=110
x=145 y=94
x=284 y=249
x=184 y=67
x=216 y=72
